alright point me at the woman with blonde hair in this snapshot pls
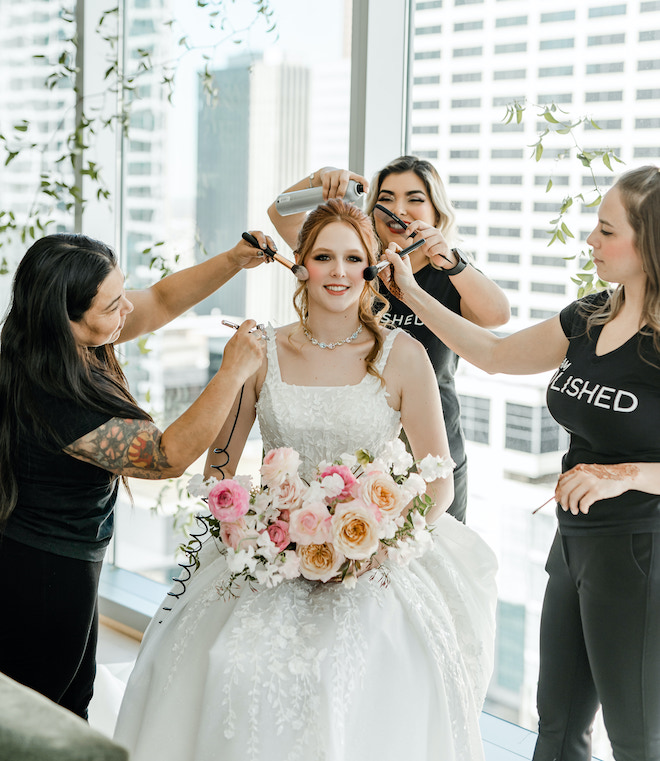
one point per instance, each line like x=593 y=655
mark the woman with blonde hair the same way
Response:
x=395 y=666
x=600 y=624
x=412 y=190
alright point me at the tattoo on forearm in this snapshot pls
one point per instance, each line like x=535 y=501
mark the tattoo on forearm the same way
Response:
x=616 y=472
x=126 y=447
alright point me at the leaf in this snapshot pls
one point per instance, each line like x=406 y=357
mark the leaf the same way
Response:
x=548 y=186
x=539 y=151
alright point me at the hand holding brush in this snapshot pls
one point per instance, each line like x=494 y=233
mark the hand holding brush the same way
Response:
x=298 y=270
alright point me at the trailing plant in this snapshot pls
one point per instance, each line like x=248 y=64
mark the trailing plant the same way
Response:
x=558 y=122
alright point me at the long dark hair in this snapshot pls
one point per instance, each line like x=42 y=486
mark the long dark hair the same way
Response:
x=54 y=284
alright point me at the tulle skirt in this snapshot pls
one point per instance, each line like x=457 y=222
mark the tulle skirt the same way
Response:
x=396 y=667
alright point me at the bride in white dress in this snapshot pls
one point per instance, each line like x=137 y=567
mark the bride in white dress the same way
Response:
x=395 y=668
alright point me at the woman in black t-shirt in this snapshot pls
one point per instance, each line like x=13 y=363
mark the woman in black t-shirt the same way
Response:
x=69 y=428
x=600 y=626
x=412 y=190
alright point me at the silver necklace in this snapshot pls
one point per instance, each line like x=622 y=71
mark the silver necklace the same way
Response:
x=335 y=344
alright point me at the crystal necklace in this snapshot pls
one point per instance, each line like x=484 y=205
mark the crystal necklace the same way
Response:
x=335 y=344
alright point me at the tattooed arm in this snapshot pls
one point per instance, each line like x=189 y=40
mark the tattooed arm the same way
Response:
x=139 y=449
x=581 y=486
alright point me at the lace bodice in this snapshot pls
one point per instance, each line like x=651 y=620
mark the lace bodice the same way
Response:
x=323 y=422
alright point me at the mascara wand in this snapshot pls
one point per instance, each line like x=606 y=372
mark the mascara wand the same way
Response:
x=298 y=270
x=370 y=273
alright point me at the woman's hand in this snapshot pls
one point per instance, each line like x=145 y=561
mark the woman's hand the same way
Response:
x=246 y=256
x=398 y=278
x=436 y=247
x=335 y=181
x=245 y=351
x=581 y=486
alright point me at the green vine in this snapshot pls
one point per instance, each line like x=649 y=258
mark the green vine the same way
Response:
x=586 y=279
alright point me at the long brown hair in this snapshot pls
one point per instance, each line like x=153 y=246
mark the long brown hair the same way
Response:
x=640 y=195
x=372 y=305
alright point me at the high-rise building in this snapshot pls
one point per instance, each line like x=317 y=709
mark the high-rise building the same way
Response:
x=471 y=59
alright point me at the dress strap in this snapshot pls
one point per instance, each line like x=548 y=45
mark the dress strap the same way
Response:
x=273 y=373
x=387 y=346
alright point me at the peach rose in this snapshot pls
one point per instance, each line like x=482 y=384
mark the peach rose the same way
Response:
x=228 y=500
x=382 y=491
x=310 y=524
x=355 y=530
x=319 y=562
x=278 y=464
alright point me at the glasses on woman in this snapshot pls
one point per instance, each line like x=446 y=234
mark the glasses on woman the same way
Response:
x=390 y=219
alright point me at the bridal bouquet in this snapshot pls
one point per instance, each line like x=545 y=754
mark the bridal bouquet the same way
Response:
x=357 y=510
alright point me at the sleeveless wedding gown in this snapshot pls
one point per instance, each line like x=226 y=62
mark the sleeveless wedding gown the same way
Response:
x=395 y=668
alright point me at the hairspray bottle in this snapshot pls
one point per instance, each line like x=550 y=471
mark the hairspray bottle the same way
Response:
x=309 y=198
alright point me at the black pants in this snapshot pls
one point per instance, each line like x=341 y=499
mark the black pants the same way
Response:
x=49 y=623
x=600 y=643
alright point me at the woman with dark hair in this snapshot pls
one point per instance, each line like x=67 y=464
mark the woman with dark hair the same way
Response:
x=600 y=623
x=69 y=428
x=395 y=666
x=411 y=188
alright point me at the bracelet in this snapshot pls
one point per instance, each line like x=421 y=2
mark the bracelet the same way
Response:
x=311 y=177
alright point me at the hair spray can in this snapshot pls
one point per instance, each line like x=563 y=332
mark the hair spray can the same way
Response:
x=309 y=198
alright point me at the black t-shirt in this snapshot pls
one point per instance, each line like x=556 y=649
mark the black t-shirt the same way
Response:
x=443 y=359
x=65 y=506
x=610 y=406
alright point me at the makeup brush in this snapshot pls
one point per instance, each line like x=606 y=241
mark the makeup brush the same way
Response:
x=298 y=270
x=369 y=273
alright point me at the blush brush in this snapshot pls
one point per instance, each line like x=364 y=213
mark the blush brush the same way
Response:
x=370 y=273
x=298 y=270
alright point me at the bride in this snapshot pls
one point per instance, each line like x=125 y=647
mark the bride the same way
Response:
x=396 y=667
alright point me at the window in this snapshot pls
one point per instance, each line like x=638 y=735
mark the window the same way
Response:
x=606 y=39
x=510 y=74
x=511 y=21
x=506 y=153
x=464 y=179
x=542 y=314
x=607 y=10
x=471 y=76
x=567 y=42
x=548 y=261
x=420 y=30
x=546 y=208
x=556 y=71
x=599 y=97
x=548 y=18
x=506 y=179
x=649 y=36
x=511 y=47
x=559 y=288
x=653 y=123
x=504 y=258
x=467 y=52
x=426 y=105
x=428 y=129
x=647 y=7
x=505 y=206
x=465 y=128
x=465 y=26
x=604 y=124
x=507 y=285
x=475 y=418
x=647 y=152
x=556 y=97
x=425 y=55
x=650 y=94
x=506 y=100
x=652 y=65
x=532 y=429
x=610 y=67
x=466 y=103
x=472 y=205
x=509 y=669
x=560 y=179
x=432 y=79
x=472 y=153
x=504 y=232
x=422 y=6
x=511 y=127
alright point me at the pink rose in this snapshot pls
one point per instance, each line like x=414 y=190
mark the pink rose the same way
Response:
x=228 y=500
x=278 y=531
x=310 y=524
x=237 y=535
x=278 y=464
x=347 y=477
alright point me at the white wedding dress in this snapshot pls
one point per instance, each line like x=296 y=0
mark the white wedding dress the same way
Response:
x=395 y=668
